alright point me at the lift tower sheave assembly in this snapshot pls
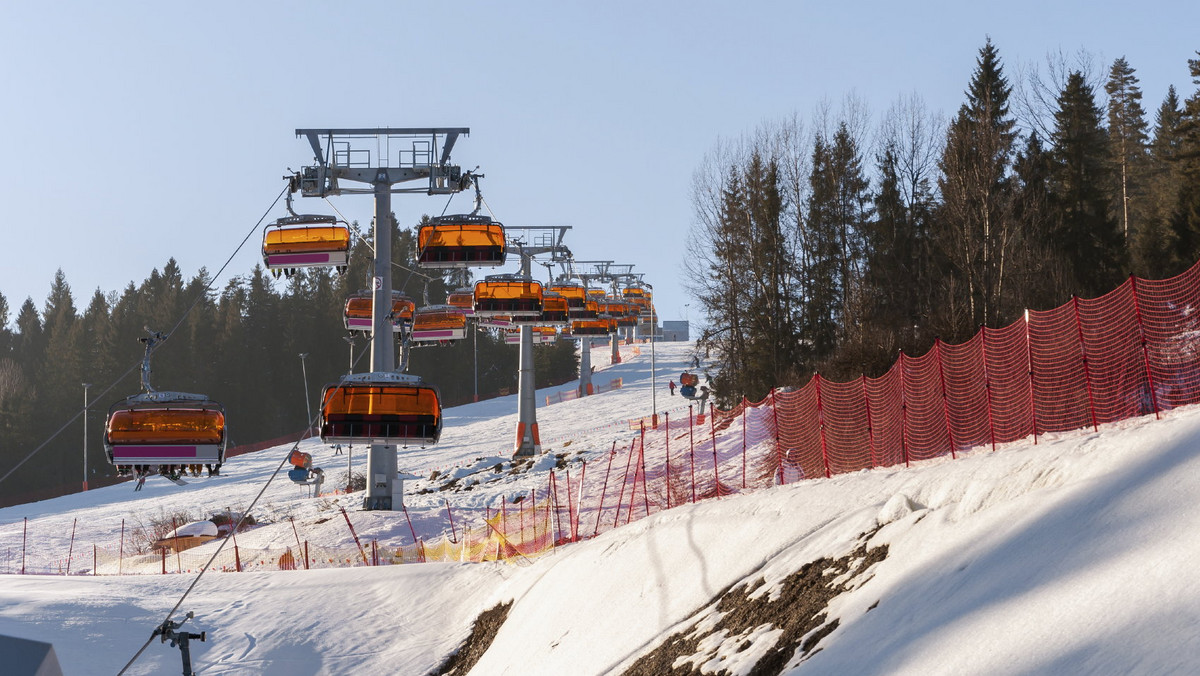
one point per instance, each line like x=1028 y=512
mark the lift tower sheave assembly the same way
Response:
x=381 y=158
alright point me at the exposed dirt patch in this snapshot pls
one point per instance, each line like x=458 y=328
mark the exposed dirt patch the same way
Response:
x=797 y=614
x=482 y=635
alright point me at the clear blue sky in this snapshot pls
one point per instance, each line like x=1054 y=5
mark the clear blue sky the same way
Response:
x=140 y=131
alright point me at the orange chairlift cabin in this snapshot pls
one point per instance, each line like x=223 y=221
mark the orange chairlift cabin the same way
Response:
x=593 y=327
x=305 y=241
x=164 y=432
x=555 y=310
x=639 y=297
x=442 y=324
x=357 y=314
x=381 y=408
x=463 y=300
x=541 y=335
x=511 y=295
x=461 y=240
x=575 y=294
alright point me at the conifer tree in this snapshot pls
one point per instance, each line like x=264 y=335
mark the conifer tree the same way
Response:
x=1185 y=216
x=1084 y=231
x=1129 y=140
x=976 y=232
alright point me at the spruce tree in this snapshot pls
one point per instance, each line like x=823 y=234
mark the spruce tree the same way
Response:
x=1129 y=140
x=1185 y=216
x=975 y=229
x=1085 y=234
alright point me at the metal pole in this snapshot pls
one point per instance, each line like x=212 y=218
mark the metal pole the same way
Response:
x=528 y=443
x=85 y=426
x=307 y=403
x=381 y=459
x=475 y=360
x=350 y=341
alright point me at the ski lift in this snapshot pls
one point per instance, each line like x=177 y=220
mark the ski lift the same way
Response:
x=542 y=335
x=438 y=323
x=462 y=300
x=593 y=327
x=555 y=310
x=164 y=432
x=460 y=241
x=496 y=322
x=596 y=294
x=512 y=295
x=380 y=408
x=575 y=294
x=305 y=241
x=357 y=314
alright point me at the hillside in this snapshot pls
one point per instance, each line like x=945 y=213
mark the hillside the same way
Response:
x=1073 y=555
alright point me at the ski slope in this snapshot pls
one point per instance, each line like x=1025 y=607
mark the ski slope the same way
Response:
x=1075 y=555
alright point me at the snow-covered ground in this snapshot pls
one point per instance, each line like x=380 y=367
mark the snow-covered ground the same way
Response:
x=1075 y=555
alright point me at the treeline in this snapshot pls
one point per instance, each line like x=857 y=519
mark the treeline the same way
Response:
x=240 y=345
x=829 y=250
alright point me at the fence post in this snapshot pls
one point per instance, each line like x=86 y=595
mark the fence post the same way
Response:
x=1137 y=311
x=692 y=450
x=667 y=444
x=1087 y=376
x=604 y=488
x=1029 y=363
x=420 y=551
x=987 y=384
x=821 y=425
x=93 y=558
x=121 y=549
x=903 y=411
x=744 y=409
x=570 y=509
x=71 y=547
x=295 y=532
x=937 y=354
x=178 y=567
x=24 y=537
x=642 y=463
x=625 y=480
x=164 y=561
x=351 y=526
x=579 y=504
x=778 y=446
x=306 y=555
x=712 y=426
x=450 y=515
x=870 y=427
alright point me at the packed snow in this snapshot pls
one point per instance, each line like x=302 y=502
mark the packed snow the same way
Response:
x=1072 y=555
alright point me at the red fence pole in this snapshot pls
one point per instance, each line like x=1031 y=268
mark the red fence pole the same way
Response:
x=570 y=510
x=625 y=480
x=744 y=409
x=1087 y=376
x=937 y=354
x=870 y=427
x=604 y=488
x=178 y=567
x=24 y=536
x=778 y=446
x=987 y=384
x=642 y=462
x=164 y=561
x=71 y=547
x=712 y=425
x=1137 y=311
x=667 y=444
x=450 y=515
x=420 y=548
x=1029 y=361
x=821 y=425
x=356 y=540
x=579 y=504
x=692 y=450
x=903 y=412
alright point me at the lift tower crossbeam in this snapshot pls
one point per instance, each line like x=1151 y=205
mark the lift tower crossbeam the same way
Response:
x=399 y=155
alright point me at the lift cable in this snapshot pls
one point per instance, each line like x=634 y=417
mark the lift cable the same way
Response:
x=203 y=293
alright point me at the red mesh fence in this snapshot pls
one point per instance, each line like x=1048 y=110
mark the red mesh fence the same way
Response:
x=1131 y=352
